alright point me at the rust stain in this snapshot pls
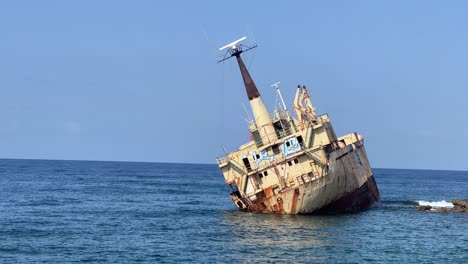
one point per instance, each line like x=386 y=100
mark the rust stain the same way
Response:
x=278 y=175
x=277 y=172
x=280 y=205
x=275 y=208
x=259 y=207
x=268 y=192
x=294 y=201
x=237 y=181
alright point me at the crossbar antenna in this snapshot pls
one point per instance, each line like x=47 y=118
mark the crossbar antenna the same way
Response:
x=235 y=49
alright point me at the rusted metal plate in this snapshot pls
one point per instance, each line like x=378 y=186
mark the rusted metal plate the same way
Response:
x=294 y=201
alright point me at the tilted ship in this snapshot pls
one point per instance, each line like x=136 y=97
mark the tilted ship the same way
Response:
x=296 y=165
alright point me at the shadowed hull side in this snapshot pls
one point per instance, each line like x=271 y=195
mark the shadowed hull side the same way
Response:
x=363 y=198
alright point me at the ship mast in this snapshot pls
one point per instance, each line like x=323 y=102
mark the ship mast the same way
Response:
x=262 y=117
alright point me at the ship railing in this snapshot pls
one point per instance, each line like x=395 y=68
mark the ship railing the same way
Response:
x=267 y=139
x=287 y=132
x=222 y=159
x=275 y=116
x=237 y=167
x=259 y=143
x=252 y=125
x=316 y=158
x=311 y=154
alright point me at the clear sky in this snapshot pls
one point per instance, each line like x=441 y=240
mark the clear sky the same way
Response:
x=138 y=80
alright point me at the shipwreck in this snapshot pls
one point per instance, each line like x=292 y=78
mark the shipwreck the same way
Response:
x=295 y=165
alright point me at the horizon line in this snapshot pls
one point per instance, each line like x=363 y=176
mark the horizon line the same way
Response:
x=193 y=163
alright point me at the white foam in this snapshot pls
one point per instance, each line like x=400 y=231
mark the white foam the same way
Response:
x=442 y=203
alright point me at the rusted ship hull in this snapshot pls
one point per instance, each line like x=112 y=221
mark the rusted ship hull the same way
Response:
x=365 y=197
x=349 y=187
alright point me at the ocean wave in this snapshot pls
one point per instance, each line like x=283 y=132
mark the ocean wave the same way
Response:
x=442 y=203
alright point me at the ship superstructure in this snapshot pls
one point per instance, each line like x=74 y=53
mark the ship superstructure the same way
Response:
x=295 y=165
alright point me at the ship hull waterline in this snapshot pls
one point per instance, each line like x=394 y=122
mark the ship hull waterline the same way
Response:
x=363 y=198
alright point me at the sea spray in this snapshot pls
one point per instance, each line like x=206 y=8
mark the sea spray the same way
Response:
x=442 y=203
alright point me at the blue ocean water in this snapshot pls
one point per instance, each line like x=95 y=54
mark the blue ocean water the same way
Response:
x=122 y=212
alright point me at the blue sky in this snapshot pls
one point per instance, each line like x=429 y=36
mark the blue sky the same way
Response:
x=138 y=80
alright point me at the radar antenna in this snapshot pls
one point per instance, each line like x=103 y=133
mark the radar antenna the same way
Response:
x=235 y=49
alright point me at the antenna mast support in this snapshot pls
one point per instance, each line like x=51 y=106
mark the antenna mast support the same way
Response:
x=279 y=93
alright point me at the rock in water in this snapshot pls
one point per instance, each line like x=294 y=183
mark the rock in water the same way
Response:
x=461 y=203
x=459 y=206
x=424 y=208
x=443 y=209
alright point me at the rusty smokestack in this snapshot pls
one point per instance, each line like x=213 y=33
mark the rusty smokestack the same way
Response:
x=250 y=87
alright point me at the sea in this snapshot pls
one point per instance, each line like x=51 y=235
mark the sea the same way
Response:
x=127 y=212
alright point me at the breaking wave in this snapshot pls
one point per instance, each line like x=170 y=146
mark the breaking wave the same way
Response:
x=412 y=203
x=442 y=203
